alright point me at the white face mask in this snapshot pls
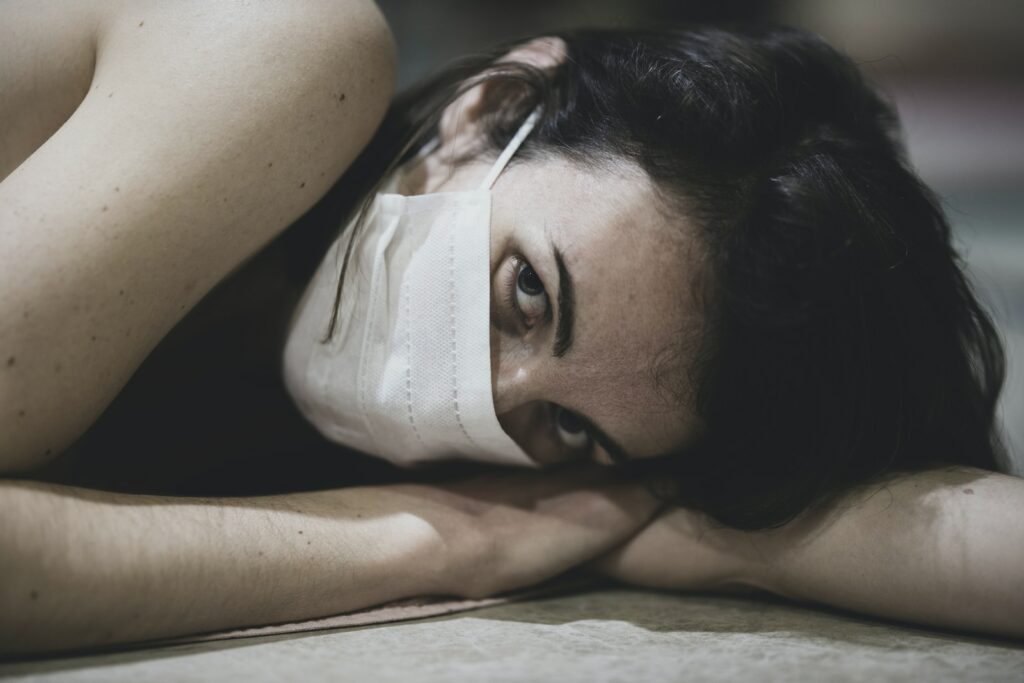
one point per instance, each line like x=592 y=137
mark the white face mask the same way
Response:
x=407 y=374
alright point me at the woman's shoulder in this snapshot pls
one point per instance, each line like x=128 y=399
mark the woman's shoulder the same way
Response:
x=317 y=57
x=204 y=129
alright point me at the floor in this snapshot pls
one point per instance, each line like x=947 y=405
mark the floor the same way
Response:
x=607 y=635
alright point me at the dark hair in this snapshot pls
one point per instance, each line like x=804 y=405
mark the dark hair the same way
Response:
x=841 y=337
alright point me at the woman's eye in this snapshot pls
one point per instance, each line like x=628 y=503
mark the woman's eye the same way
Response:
x=531 y=299
x=571 y=429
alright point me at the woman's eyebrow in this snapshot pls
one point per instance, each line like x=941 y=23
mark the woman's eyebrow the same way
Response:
x=566 y=309
x=563 y=342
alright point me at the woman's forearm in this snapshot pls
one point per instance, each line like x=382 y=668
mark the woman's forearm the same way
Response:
x=944 y=548
x=83 y=567
x=80 y=567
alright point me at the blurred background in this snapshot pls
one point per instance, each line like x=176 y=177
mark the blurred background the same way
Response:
x=954 y=68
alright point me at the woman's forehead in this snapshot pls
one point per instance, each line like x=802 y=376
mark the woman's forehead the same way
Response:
x=631 y=278
x=632 y=344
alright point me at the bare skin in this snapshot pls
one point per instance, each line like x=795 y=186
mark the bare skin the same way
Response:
x=943 y=548
x=98 y=199
x=184 y=157
x=115 y=221
x=84 y=568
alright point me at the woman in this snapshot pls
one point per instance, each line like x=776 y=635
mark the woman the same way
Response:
x=798 y=335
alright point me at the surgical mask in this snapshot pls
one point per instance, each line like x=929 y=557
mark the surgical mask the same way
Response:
x=407 y=374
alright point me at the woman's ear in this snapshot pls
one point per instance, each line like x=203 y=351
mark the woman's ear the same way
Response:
x=544 y=53
x=459 y=125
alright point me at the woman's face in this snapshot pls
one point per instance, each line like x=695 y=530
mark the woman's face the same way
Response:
x=590 y=309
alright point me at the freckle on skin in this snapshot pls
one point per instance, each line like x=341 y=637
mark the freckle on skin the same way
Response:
x=92 y=338
x=10 y=361
x=34 y=595
x=117 y=189
x=111 y=94
x=300 y=532
x=341 y=98
x=260 y=553
x=21 y=413
x=969 y=492
x=270 y=164
x=141 y=23
x=301 y=185
x=104 y=207
x=120 y=292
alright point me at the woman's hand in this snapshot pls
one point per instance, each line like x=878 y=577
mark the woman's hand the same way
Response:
x=513 y=530
x=83 y=568
x=684 y=550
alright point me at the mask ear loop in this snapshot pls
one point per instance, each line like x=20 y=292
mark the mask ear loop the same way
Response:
x=511 y=148
x=492 y=176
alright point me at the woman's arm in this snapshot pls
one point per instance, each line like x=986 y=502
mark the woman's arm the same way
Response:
x=943 y=548
x=207 y=128
x=83 y=568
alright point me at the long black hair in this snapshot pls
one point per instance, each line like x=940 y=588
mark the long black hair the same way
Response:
x=841 y=338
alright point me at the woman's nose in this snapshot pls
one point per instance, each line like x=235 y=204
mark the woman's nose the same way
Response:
x=523 y=425
x=523 y=390
x=511 y=387
x=511 y=371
